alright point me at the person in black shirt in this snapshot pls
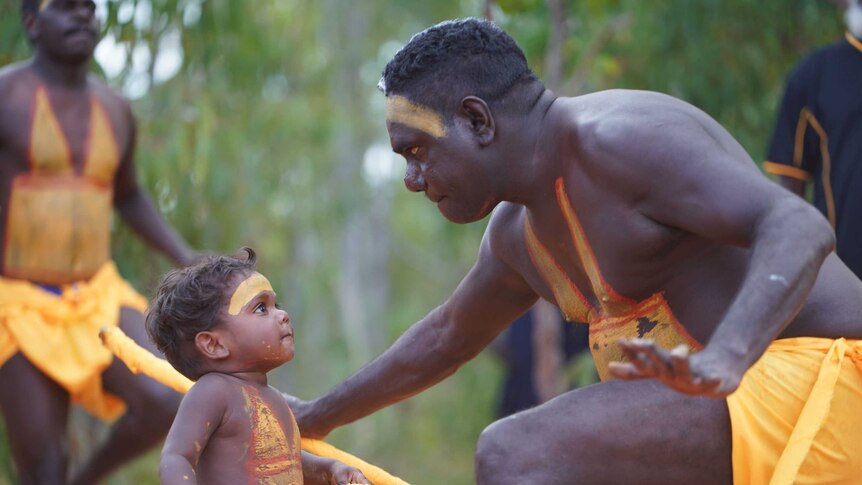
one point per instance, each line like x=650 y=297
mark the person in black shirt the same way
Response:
x=818 y=135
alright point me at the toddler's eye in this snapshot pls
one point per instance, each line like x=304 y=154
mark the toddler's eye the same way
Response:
x=260 y=308
x=413 y=150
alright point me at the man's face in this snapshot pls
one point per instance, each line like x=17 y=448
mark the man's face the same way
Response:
x=442 y=160
x=66 y=30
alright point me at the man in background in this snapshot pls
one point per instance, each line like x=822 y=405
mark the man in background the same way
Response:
x=818 y=135
x=66 y=161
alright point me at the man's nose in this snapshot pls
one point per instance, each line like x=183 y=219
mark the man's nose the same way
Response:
x=413 y=179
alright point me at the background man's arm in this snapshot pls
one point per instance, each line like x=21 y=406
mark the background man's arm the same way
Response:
x=486 y=301
x=138 y=211
x=707 y=185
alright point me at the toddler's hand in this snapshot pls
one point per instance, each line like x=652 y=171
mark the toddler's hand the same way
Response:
x=341 y=474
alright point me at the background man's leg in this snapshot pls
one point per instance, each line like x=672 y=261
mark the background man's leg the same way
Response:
x=150 y=410
x=611 y=433
x=35 y=409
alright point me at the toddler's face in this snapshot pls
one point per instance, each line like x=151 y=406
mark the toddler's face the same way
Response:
x=262 y=336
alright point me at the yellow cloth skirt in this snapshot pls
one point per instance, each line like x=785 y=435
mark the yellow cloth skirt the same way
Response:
x=797 y=415
x=59 y=334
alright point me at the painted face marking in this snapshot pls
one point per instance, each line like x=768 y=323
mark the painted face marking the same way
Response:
x=43 y=4
x=246 y=291
x=401 y=110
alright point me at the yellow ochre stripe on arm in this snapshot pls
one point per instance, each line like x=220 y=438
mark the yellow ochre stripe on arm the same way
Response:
x=140 y=360
x=786 y=170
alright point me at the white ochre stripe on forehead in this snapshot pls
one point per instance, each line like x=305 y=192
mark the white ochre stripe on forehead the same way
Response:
x=401 y=110
x=246 y=291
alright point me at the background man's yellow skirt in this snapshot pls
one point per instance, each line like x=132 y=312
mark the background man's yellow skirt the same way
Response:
x=797 y=416
x=59 y=334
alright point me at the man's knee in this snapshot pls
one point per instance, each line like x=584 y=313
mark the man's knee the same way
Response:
x=501 y=453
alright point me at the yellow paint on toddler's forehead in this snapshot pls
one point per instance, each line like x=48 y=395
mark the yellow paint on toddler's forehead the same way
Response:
x=401 y=110
x=246 y=291
x=43 y=4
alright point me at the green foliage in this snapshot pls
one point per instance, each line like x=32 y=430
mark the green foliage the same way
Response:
x=261 y=136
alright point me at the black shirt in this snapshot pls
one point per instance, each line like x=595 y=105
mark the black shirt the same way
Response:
x=818 y=136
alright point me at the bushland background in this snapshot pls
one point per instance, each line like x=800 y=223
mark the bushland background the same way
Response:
x=260 y=124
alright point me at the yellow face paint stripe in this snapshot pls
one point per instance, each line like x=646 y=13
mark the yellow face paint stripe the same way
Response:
x=44 y=4
x=403 y=111
x=246 y=291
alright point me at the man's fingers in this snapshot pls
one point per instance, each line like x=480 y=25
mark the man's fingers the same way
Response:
x=658 y=358
x=636 y=358
x=679 y=363
x=626 y=371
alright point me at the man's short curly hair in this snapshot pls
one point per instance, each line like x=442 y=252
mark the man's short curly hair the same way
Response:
x=188 y=302
x=457 y=58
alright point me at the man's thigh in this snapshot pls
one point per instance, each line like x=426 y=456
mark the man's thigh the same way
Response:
x=35 y=409
x=613 y=432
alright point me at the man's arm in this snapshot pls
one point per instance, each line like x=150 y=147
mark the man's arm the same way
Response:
x=707 y=185
x=487 y=300
x=138 y=211
x=199 y=414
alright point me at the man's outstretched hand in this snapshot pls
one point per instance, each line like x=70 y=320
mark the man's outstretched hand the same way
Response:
x=700 y=374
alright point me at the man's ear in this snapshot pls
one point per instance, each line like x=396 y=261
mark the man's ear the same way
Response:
x=28 y=19
x=212 y=345
x=481 y=120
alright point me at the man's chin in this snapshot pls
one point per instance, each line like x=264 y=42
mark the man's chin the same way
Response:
x=464 y=218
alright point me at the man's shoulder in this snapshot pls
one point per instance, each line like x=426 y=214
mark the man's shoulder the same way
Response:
x=12 y=74
x=505 y=226
x=609 y=118
x=212 y=383
x=825 y=56
x=107 y=93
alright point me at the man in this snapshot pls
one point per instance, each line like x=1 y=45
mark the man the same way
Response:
x=818 y=135
x=66 y=158
x=639 y=214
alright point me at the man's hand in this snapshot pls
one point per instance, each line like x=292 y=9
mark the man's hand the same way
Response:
x=701 y=374
x=303 y=412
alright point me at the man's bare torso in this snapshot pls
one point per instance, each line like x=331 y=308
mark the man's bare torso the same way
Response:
x=638 y=256
x=72 y=109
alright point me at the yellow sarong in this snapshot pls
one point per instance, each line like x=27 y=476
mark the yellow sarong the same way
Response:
x=59 y=334
x=797 y=415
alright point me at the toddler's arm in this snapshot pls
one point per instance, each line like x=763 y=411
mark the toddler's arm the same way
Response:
x=200 y=413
